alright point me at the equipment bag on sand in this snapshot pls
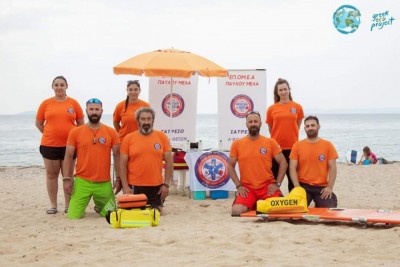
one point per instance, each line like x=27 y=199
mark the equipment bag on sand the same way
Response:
x=134 y=218
x=128 y=201
x=296 y=201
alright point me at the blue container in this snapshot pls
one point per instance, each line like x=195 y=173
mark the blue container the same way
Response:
x=199 y=195
x=219 y=194
x=366 y=162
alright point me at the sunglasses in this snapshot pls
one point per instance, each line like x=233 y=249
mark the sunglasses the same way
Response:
x=94 y=101
x=133 y=81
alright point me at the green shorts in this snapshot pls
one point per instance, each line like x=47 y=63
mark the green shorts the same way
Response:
x=102 y=193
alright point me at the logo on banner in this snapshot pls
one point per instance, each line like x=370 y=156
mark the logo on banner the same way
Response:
x=211 y=169
x=174 y=105
x=241 y=105
x=346 y=19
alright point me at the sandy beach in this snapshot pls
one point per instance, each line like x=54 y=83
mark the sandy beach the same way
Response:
x=197 y=232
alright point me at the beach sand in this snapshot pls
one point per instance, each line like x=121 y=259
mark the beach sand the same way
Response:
x=197 y=232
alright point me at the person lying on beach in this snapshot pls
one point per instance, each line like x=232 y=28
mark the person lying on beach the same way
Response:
x=254 y=153
x=368 y=157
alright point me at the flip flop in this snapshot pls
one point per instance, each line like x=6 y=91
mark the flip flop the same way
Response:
x=51 y=211
x=66 y=210
x=96 y=209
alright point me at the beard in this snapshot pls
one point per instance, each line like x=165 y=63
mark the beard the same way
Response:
x=94 y=118
x=146 y=128
x=312 y=134
x=254 y=130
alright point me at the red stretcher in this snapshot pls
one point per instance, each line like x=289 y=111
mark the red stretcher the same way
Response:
x=362 y=216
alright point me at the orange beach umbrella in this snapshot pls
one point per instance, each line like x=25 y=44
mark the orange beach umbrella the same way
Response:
x=170 y=63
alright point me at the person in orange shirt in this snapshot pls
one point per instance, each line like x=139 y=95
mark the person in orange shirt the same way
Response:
x=124 y=113
x=254 y=153
x=284 y=120
x=313 y=166
x=55 y=118
x=141 y=162
x=93 y=143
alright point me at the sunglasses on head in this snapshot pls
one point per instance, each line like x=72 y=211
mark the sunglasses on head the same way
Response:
x=133 y=81
x=94 y=101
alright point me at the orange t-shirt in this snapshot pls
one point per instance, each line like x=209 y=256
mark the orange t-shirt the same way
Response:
x=127 y=117
x=282 y=118
x=93 y=160
x=255 y=160
x=312 y=161
x=60 y=118
x=145 y=157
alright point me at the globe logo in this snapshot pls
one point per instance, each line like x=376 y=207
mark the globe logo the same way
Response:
x=346 y=19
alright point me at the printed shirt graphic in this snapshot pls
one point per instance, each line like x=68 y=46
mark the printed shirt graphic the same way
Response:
x=145 y=156
x=313 y=159
x=283 y=118
x=128 y=117
x=255 y=160
x=93 y=160
x=60 y=118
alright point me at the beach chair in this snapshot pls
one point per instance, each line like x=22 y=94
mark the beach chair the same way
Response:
x=353 y=156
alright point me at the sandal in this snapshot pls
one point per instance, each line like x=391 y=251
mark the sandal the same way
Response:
x=96 y=209
x=51 y=211
x=66 y=210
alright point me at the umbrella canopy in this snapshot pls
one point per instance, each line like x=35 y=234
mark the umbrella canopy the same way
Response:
x=170 y=63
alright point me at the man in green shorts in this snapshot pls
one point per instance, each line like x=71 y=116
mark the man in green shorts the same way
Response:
x=93 y=143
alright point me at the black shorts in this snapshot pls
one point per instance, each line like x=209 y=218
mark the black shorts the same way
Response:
x=53 y=153
x=314 y=194
x=151 y=192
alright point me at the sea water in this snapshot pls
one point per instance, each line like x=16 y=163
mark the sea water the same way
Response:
x=20 y=139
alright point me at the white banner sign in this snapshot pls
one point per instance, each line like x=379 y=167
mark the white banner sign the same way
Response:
x=176 y=97
x=243 y=91
x=209 y=171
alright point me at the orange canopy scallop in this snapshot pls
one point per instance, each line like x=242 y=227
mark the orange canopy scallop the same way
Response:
x=171 y=63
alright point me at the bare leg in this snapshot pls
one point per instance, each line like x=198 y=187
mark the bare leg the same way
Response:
x=67 y=196
x=238 y=209
x=52 y=171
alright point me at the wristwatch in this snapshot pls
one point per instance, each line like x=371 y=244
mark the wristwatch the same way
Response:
x=278 y=184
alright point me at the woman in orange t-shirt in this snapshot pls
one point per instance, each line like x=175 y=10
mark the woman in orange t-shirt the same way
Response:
x=284 y=119
x=124 y=118
x=55 y=118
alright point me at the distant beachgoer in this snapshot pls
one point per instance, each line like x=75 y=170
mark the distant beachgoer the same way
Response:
x=284 y=120
x=141 y=163
x=93 y=144
x=313 y=166
x=124 y=113
x=368 y=157
x=254 y=154
x=55 y=118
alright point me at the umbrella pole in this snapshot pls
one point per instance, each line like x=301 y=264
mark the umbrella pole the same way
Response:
x=170 y=107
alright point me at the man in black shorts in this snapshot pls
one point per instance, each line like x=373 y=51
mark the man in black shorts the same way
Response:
x=141 y=161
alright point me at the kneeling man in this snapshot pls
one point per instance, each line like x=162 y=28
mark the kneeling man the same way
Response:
x=313 y=166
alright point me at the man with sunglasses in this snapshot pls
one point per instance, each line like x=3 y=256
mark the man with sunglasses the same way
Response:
x=313 y=166
x=142 y=155
x=92 y=143
x=254 y=154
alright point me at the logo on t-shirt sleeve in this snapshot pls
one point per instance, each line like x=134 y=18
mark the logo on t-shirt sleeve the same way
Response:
x=157 y=146
x=263 y=151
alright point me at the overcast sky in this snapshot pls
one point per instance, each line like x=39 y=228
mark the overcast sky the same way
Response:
x=296 y=40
